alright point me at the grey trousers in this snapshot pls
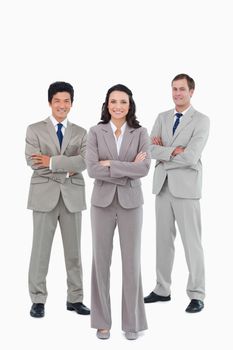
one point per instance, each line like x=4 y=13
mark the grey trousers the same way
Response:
x=129 y=221
x=186 y=212
x=44 y=226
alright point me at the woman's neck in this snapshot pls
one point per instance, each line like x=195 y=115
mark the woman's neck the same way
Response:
x=118 y=122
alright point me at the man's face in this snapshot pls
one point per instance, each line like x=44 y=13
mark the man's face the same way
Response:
x=60 y=105
x=181 y=94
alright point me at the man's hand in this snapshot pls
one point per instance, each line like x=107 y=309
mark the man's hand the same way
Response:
x=178 y=150
x=157 y=141
x=140 y=157
x=104 y=162
x=41 y=160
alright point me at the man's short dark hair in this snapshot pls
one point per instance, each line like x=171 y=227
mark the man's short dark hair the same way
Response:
x=190 y=81
x=60 y=86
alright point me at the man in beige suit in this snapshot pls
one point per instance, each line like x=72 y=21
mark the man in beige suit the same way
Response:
x=177 y=141
x=55 y=150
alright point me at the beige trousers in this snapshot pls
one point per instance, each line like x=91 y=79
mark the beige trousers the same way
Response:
x=129 y=221
x=186 y=212
x=44 y=225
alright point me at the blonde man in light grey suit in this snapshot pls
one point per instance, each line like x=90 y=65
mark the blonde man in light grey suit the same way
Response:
x=177 y=141
x=55 y=150
x=117 y=157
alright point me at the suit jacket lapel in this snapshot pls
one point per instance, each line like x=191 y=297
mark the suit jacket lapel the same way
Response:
x=169 y=124
x=110 y=140
x=67 y=136
x=52 y=133
x=186 y=119
x=126 y=141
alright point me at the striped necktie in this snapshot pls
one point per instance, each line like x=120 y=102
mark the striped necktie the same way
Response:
x=178 y=115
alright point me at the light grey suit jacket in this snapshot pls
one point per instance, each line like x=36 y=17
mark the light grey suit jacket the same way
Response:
x=184 y=171
x=46 y=185
x=123 y=175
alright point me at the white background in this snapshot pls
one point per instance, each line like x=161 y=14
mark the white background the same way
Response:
x=94 y=45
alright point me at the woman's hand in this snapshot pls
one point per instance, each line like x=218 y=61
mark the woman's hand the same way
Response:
x=140 y=157
x=104 y=162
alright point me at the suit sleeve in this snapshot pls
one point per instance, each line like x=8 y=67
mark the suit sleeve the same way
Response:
x=72 y=164
x=133 y=170
x=94 y=169
x=193 y=150
x=160 y=153
x=33 y=147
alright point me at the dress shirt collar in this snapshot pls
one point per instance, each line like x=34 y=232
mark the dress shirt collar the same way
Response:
x=114 y=128
x=55 y=122
x=185 y=111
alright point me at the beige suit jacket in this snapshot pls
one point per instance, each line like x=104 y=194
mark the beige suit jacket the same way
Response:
x=47 y=185
x=184 y=171
x=124 y=174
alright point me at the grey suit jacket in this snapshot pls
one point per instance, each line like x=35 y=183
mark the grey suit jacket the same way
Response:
x=184 y=171
x=123 y=175
x=46 y=185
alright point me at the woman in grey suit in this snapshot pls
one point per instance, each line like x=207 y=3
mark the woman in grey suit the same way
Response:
x=117 y=157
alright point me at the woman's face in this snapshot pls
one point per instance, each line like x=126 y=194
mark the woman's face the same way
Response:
x=118 y=105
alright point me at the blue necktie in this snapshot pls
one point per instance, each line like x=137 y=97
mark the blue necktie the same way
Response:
x=59 y=133
x=178 y=115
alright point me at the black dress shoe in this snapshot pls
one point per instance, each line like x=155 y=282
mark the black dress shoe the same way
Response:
x=37 y=310
x=153 y=297
x=195 y=306
x=80 y=308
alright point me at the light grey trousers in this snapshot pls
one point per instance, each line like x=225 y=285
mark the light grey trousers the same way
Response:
x=129 y=221
x=186 y=212
x=44 y=226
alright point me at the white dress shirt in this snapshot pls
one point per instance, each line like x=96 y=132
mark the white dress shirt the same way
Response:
x=120 y=137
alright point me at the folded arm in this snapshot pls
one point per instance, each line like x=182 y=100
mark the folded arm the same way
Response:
x=31 y=150
x=94 y=167
x=72 y=164
x=137 y=168
x=192 y=152
x=157 y=150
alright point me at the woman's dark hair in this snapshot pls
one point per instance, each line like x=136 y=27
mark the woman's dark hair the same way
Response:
x=60 y=86
x=131 y=117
